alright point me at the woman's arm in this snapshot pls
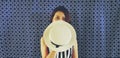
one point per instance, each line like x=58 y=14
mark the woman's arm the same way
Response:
x=75 y=50
x=44 y=50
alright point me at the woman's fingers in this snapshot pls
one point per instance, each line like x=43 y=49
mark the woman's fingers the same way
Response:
x=52 y=54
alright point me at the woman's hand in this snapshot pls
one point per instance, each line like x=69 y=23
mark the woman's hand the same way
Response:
x=52 y=54
x=44 y=50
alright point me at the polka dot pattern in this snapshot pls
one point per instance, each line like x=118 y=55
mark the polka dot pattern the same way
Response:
x=97 y=23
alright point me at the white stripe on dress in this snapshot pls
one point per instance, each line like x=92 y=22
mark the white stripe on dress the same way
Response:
x=68 y=53
x=65 y=54
x=61 y=55
x=57 y=56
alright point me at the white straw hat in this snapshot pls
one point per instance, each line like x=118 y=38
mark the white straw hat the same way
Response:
x=59 y=36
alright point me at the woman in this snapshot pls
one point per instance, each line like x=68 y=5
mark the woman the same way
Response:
x=59 y=13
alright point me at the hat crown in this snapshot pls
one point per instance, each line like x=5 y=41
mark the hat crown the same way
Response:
x=60 y=34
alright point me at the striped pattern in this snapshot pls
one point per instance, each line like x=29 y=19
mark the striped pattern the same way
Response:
x=65 y=54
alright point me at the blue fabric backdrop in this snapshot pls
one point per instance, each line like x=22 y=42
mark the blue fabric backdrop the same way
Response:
x=97 y=23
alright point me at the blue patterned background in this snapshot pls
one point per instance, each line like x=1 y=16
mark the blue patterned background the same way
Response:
x=97 y=23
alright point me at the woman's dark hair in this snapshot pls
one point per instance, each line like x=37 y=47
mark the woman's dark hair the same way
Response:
x=62 y=9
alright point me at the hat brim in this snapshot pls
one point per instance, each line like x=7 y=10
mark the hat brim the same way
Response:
x=63 y=47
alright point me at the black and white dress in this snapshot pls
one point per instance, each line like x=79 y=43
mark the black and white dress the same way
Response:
x=65 y=54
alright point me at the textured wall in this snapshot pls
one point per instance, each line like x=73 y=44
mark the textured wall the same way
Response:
x=97 y=23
